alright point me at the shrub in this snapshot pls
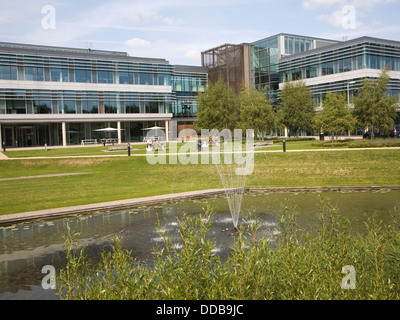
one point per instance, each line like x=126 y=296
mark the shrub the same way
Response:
x=296 y=264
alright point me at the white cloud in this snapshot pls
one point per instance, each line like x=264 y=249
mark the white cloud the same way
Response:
x=318 y=4
x=138 y=43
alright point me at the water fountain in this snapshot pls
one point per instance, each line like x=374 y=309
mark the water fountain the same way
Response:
x=235 y=167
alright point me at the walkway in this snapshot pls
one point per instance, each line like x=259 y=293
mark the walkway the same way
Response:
x=43 y=176
x=189 y=153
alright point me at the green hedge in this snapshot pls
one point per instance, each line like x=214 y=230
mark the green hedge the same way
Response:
x=374 y=143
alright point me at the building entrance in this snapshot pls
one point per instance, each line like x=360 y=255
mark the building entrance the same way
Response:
x=26 y=136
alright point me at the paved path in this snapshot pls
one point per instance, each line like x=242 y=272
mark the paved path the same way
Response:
x=3 y=156
x=44 y=176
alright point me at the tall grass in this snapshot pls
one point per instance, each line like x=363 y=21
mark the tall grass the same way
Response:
x=289 y=264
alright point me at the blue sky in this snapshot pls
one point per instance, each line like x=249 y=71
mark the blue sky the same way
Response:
x=178 y=30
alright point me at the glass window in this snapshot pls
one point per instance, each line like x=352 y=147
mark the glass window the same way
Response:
x=273 y=43
x=90 y=106
x=34 y=74
x=374 y=62
x=327 y=68
x=359 y=62
x=164 y=80
x=41 y=106
x=110 y=106
x=105 y=77
x=58 y=75
x=8 y=73
x=296 y=74
x=83 y=76
x=151 y=106
x=132 y=107
x=69 y=106
x=15 y=107
x=345 y=65
x=291 y=45
x=126 y=77
x=297 y=45
x=146 y=78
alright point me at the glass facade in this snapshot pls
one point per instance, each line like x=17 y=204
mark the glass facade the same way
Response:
x=112 y=83
x=348 y=58
x=264 y=58
x=186 y=86
x=359 y=54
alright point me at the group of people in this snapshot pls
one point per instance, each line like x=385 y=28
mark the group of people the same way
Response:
x=155 y=145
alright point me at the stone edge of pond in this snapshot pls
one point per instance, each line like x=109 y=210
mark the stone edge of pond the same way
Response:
x=153 y=200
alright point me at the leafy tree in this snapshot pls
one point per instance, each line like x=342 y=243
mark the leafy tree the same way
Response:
x=255 y=111
x=297 y=106
x=217 y=107
x=335 y=116
x=373 y=107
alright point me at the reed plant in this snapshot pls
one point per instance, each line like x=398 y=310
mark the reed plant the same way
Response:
x=288 y=263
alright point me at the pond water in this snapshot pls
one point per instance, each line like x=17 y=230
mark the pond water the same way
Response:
x=26 y=247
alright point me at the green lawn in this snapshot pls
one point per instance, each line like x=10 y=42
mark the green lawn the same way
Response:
x=137 y=149
x=130 y=177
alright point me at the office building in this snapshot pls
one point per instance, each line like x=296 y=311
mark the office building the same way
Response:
x=324 y=65
x=64 y=96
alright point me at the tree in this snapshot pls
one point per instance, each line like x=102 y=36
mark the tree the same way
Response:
x=297 y=106
x=255 y=111
x=335 y=116
x=217 y=107
x=373 y=107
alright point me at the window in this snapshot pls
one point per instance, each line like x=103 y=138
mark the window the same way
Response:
x=126 y=78
x=345 y=65
x=34 y=74
x=66 y=106
x=33 y=68
x=110 y=106
x=151 y=106
x=313 y=71
x=8 y=73
x=327 y=68
x=83 y=76
x=58 y=75
x=164 y=80
x=146 y=78
x=132 y=107
x=15 y=107
x=90 y=106
x=105 y=77
x=41 y=106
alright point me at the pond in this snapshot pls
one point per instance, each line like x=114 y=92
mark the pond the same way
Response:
x=26 y=247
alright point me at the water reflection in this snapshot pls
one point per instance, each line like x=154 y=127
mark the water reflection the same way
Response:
x=25 y=248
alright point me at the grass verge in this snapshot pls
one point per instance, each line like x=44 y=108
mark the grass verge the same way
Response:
x=132 y=177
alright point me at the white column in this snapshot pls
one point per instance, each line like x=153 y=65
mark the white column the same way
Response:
x=167 y=130
x=64 y=133
x=119 y=131
x=286 y=132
